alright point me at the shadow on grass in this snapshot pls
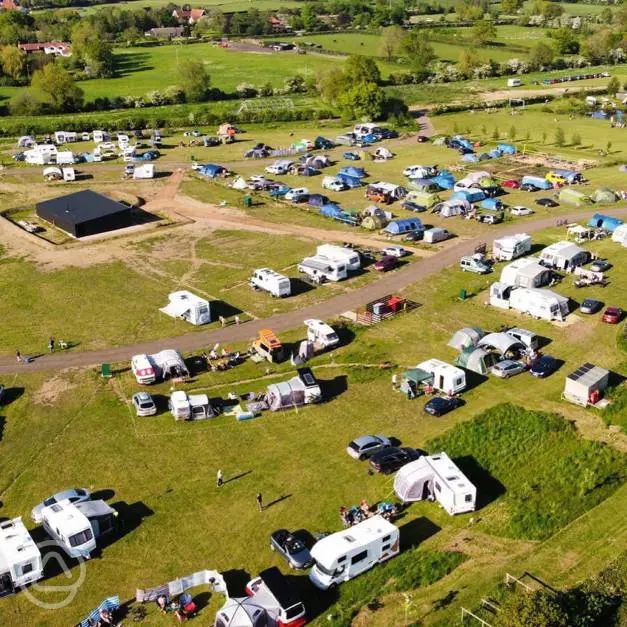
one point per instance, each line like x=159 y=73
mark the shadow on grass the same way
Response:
x=127 y=63
x=301 y=287
x=12 y=394
x=332 y=388
x=220 y=308
x=416 y=531
x=3 y=422
x=276 y=501
x=488 y=487
x=139 y=216
x=236 y=477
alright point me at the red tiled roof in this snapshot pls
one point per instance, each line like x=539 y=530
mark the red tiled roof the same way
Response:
x=9 y=5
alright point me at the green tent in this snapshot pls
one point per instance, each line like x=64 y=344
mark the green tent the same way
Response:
x=415 y=376
x=604 y=195
x=476 y=360
x=574 y=197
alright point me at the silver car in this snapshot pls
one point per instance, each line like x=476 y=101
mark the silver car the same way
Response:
x=144 y=404
x=507 y=368
x=367 y=445
x=73 y=495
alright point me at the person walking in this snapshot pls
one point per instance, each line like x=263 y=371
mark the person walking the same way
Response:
x=220 y=478
x=18 y=356
x=259 y=499
x=51 y=344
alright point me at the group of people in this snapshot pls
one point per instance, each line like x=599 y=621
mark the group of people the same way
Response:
x=355 y=514
x=222 y=360
x=183 y=608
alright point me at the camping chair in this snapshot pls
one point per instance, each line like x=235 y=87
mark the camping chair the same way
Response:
x=105 y=371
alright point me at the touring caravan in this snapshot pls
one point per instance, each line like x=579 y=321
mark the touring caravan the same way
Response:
x=144 y=171
x=539 y=303
x=101 y=136
x=69 y=174
x=64 y=137
x=69 y=528
x=341 y=254
x=435 y=234
x=185 y=406
x=272 y=282
x=444 y=377
x=346 y=554
x=511 y=247
x=321 y=334
x=436 y=477
x=320 y=269
x=188 y=307
x=564 y=256
x=20 y=559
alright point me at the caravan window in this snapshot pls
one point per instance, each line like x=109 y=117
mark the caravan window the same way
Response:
x=341 y=559
x=385 y=547
x=386 y=539
x=468 y=498
x=459 y=381
x=360 y=557
x=26 y=568
x=81 y=538
x=437 y=487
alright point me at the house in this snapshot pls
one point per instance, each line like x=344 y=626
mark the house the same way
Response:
x=278 y=24
x=444 y=377
x=585 y=386
x=166 y=32
x=9 y=5
x=511 y=247
x=538 y=302
x=20 y=558
x=436 y=477
x=526 y=272
x=188 y=307
x=55 y=48
x=564 y=255
x=303 y=389
x=85 y=213
x=188 y=16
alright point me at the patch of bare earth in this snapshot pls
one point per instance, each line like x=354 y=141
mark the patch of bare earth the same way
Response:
x=52 y=389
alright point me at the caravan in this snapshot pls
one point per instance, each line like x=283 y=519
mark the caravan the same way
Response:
x=69 y=528
x=340 y=254
x=188 y=307
x=272 y=282
x=346 y=554
x=564 y=256
x=190 y=407
x=539 y=303
x=321 y=335
x=511 y=247
x=444 y=377
x=20 y=559
x=320 y=269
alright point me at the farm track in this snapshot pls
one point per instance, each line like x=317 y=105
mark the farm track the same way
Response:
x=389 y=283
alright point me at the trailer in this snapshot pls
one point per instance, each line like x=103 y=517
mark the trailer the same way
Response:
x=320 y=269
x=144 y=171
x=69 y=528
x=278 y=285
x=101 y=516
x=511 y=247
x=20 y=558
x=537 y=302
x=340 y=254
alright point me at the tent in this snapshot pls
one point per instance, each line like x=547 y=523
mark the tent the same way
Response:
x=322 y=143
x=351 y=170
x=382 y=153
x=412 y=378
x=608 y=223
x=500 y=342
x=476 y=360
x=350 y=181
x=571 y=176
x=239 y=183
x=317 y=200
x=620 y=235
x=330 y=210
x=302 y=389
x=26 y=141
x=241 y=612
x=212 y=170
x=424 y=199
x=444 y=180
x=507 y=149
x=470 y=157
x=573 y=196
x=469 y=195
x=424 y=185
x=493 y=204
x=405 y=225
x=604 y=195
x=468 y=336
x=450 y=208
x=440 y=141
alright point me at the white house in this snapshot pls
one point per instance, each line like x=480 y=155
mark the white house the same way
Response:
x=436 y=477
x=538 y=302
x=511 y=246
x=20 y=559
x=189 y=307
x=526 y=272
x=341 y=254
x=446 y=378
x=564 y=255
x=69 y=528
x=278 y=285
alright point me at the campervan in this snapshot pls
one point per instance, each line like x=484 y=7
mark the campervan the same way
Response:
x=144 y=369
x=511 y=246
x=189 y=407
x=346 y=554
x=340 y=254
x=514 y=82
x=444 y=377
x=436 y=234
x=474 y=264
x=189 y=307
x=268 y=346
x=69 y=528
x=320 y=269
x=272 y=282
x=20 y=559
x=321 y=334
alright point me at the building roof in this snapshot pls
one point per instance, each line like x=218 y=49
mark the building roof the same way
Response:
x=9 y=5
x=81 y=206
x=588 y=374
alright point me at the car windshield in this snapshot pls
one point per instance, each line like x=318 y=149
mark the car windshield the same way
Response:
x=324 y=570
x=81 y=538
x=354 y=446
x=50 y=501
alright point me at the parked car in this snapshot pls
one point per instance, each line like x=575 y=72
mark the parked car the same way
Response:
x=386 y=263
x=144 y=404
x=412 y=206
x=73 y=495
x=278 y=168
x=395 y=251
x=413 y=236
x=392 y=458
x=600 y=265
x=507 y=368
x=544 y=366
x=441 y=405
x=490 y=218
x=521 y=211
x=547 y=202
x=386 y=133
x=334 y=186
x=612 y=315
x=367 y=445
x=511 y=183
x=590 y=306
x=294 y=551
x=421 y=139
x=296 y=193
x=529 y=187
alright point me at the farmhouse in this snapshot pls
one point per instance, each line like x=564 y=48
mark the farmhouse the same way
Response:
x=166 y=32
x=85 y=213
x=188 y=16
x=56 y=48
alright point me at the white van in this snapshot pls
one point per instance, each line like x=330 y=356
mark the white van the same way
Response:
x=514 y=82
x=320 y=269
x=473 y=264
x=436 y=234
x=340 y=253
x=321 y=334
x=272 y=282
x=528 y=338
x=143 y=369
x=69 y=528
x=346 y=554
x=333 y=184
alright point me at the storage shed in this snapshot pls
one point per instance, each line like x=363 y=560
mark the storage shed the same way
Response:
x=85 y=213
x=585 y=386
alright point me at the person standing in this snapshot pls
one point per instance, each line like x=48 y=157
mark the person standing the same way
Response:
x=220 y=478
x=51 y=344
x=18 y=356
x=259 y=499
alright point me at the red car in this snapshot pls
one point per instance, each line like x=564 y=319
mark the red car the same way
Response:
x=511 y=183
x=612 y=315
x=386 y=263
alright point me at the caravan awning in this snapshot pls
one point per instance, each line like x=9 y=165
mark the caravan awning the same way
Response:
x=500 y=342
x=417 y=375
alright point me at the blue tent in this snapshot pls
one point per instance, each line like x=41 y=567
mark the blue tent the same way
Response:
x=495 y=153
x=507 y=149
x=331 y=210
x=351 y=170
x=211 y=170
x=493 y=204
x=598 y=115
x=601 y=221
x=350 y=181
x=444 y=180
x=317 y=200
x=470 y=157
x=570 y=175
x=470 y=195
x=405 y=225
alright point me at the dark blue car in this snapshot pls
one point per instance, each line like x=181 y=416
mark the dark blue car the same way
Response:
x=544 y=366
x=440 y=405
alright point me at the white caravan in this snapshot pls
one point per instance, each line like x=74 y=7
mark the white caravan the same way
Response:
x=20 y=559
x=320 y=269
x=620 y=234
x=185 y=406
x=188 y=307
x=101 y=136
x=65 y=157
x=340 y=253
x=41 y=154
x=278 y=285
x=64 y=137
x=69 y=528
x=69 y=174
x=511 y=247
x=346 y=554
x=540 y=303
x=526 y=272
x=564 y=256
x=436 y=477
x=446 y=378
x=321 y=335
x=145 y=171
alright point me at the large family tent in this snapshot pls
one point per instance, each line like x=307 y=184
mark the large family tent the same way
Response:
x=604 y=195
x=500 y=342
x=303 y=389
x=507 y=149
x=526 y=272
x=574 y=197
x=424 y=185
x=241 y=612
x=331 y=210
x=212 y=170
x=477 y=360
x=424 y=199
x=450 y=208
x=468 y=336
x=620 y=235
x=608 y=223
x=469 y=195
x=444 y=180
x=404 y=225
x=374 y=218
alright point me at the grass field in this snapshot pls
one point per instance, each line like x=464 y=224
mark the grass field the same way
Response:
x=224 y=5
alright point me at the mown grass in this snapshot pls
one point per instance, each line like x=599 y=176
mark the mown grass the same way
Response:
x=547 y=474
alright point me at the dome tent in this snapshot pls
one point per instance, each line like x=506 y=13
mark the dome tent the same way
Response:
x=604 y=195
x=476 y=360
x=241 y=612
x=468 y=336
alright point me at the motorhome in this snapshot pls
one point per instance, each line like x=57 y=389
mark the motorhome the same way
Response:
x=144 y=369
x=189 y=307
x=539 y=303
x=511 y=247
x=69 y=528
x=444 y=377
x=528 y=338
x=346 y=554
x=321 y=334
x=185 y=406
x=268 y=346
x=514 y=82
x=320 y=269
x=436 y=477
x=474 y=264
x=278 y=285
x=20 y=558
x=349 y=256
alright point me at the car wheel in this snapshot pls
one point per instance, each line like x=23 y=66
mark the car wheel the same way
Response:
x=361 y=457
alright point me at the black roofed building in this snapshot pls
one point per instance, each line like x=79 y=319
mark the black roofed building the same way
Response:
x=85 y=213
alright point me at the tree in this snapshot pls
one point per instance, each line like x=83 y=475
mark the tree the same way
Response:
x=512 y=133
x=58 y=86
x=511 y=7
x=541 y=56
x=361 y=69
x=25 y=102
x=597 y=47
x=483 y=31
x=612 y=87
x=365 y=100
x=559 y=137
x=193 y=80
x=606 y=16
x=576 y=139
x=566 y=41
x=89 y=44
x=468 y=61
x=390 y=41
x=310 y=20
x=419 y=52
x=471 y=9
x=13 y=61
